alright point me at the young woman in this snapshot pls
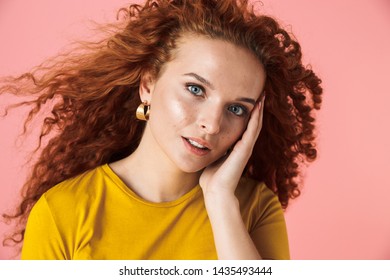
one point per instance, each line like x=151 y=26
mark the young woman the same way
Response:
x=178 y=137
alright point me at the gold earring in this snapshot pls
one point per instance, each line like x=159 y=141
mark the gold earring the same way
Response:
x=143 y=111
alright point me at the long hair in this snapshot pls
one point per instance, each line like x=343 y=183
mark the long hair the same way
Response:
x=94 y=94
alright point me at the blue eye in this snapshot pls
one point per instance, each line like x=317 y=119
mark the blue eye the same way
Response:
x=195 y=90
x=237 y=110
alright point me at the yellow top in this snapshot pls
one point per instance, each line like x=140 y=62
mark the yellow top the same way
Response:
x=96 y=216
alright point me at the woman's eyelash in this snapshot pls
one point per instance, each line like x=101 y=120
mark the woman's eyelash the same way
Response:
x=195 y=89
x=238 y=110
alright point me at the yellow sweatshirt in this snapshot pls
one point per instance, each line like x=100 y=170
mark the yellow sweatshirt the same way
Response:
x=96 y=216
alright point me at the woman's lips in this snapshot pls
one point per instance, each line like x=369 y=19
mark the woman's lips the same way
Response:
x=196 y=146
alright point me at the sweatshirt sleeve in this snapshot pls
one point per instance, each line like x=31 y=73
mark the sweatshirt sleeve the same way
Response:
x=269 y=232
x=42 y=240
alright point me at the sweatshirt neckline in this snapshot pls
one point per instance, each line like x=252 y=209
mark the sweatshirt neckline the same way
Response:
x=118 y=181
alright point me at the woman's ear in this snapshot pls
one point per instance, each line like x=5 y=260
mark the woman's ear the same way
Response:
x=146 y=87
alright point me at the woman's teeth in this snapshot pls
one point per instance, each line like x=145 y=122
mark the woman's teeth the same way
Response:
x=196 y=144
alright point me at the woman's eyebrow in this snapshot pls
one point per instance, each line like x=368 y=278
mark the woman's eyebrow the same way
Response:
x=210 y=85
x=200 y=79
x=249 y=100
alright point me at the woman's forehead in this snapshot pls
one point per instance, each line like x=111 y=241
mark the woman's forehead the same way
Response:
x=220 y=63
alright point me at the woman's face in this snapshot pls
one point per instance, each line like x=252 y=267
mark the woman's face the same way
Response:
x=201 y=101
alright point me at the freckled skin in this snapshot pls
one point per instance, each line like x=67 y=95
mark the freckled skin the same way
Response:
x=176 y=112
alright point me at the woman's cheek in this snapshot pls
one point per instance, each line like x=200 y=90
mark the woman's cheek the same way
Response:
x=182 y=110
x=235 y=131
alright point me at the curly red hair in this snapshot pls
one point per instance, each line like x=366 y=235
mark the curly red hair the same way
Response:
x=95 y=94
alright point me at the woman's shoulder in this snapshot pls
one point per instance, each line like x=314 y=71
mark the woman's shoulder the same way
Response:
x=251 y=189
x=78 y=187
x=256 y=199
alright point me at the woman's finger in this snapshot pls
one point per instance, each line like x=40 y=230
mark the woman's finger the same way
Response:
x=255 y=123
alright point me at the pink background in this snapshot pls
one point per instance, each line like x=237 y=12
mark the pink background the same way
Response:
x=343 y=212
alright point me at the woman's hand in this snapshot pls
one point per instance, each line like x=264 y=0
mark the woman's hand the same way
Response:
x=218 y=182
x=222 y=177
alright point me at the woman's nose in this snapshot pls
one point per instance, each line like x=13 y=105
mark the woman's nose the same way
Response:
x=210 y=119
